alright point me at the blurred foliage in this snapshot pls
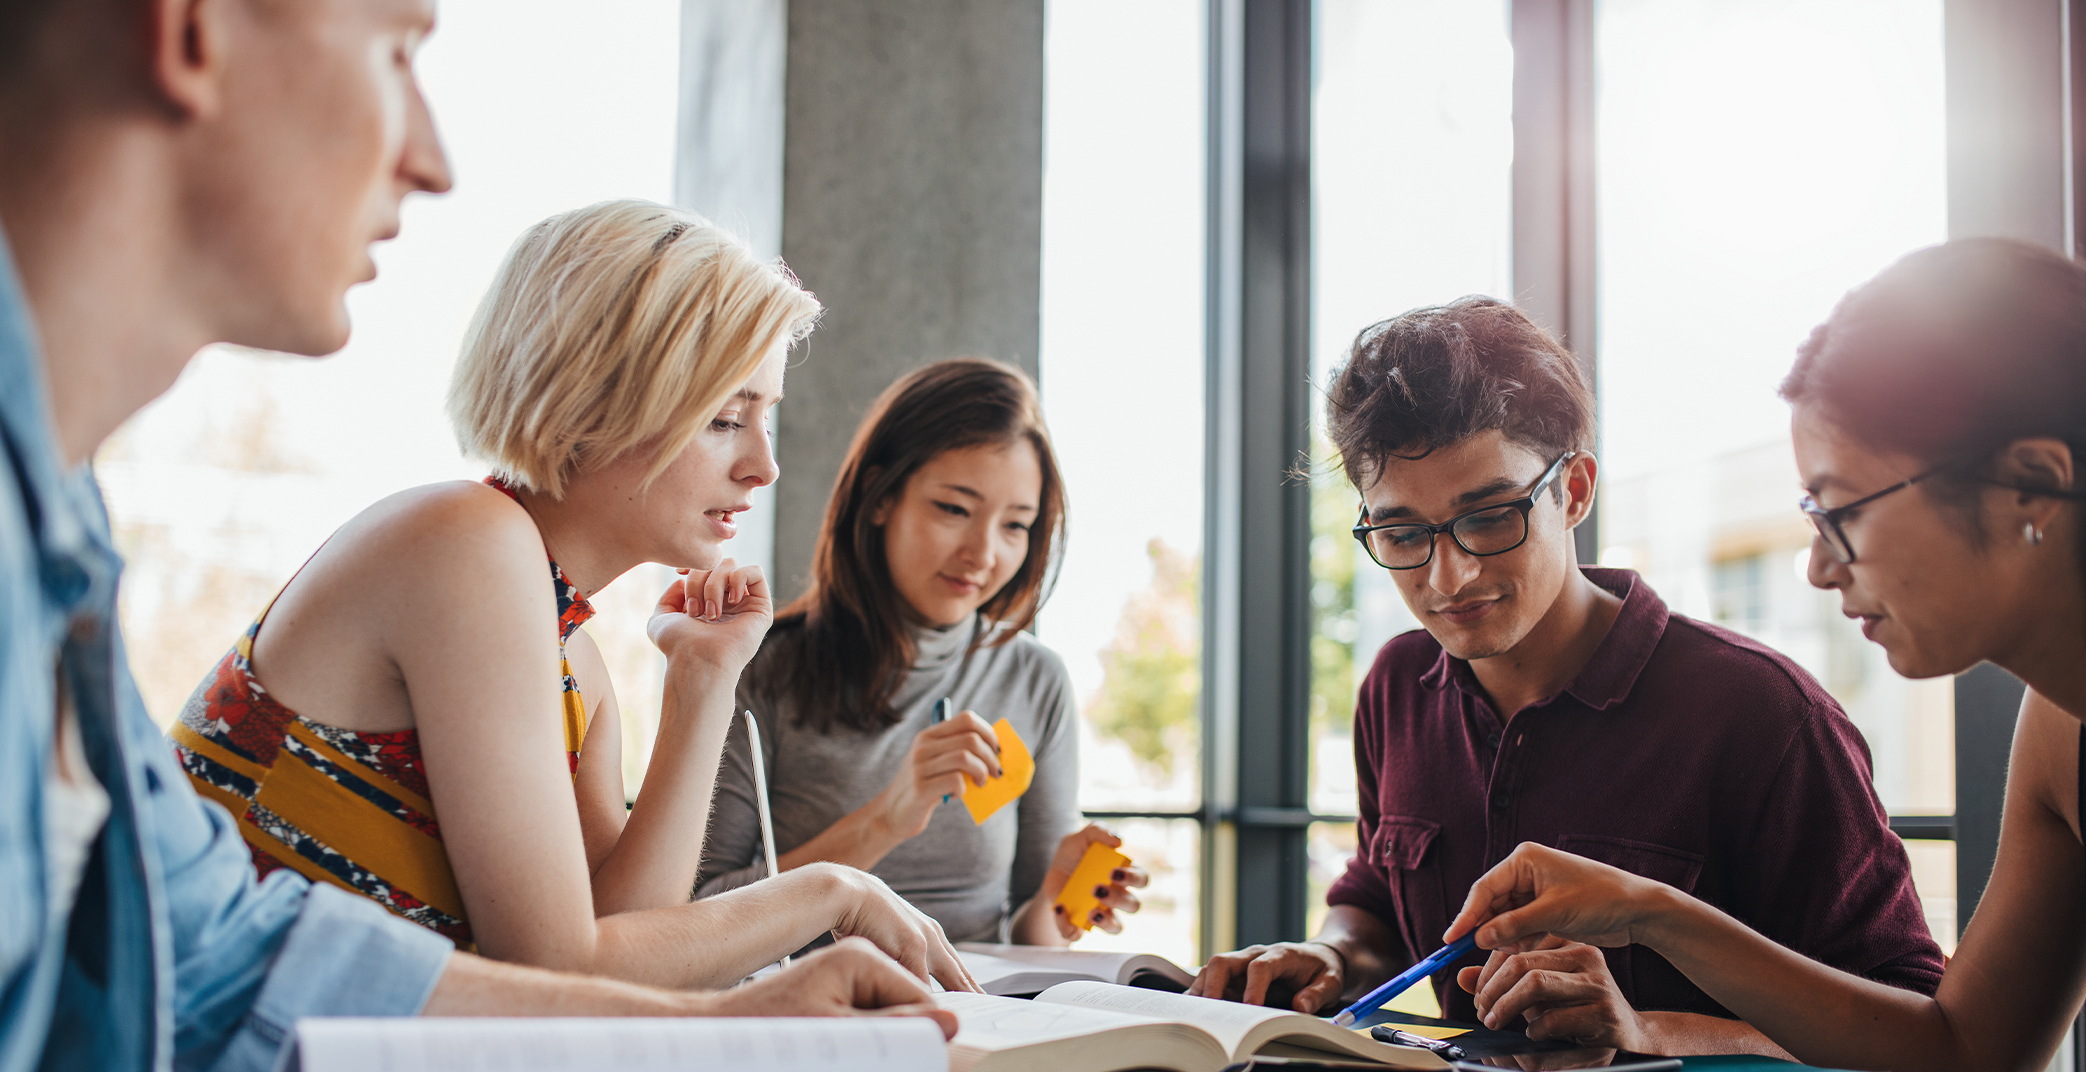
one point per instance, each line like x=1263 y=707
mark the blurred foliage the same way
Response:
x=1152 y=673
x=1333 y=623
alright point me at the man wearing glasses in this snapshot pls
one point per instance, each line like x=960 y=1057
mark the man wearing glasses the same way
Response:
x=1567 y=706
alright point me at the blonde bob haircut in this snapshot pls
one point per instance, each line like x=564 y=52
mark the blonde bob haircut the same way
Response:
x=615 y=328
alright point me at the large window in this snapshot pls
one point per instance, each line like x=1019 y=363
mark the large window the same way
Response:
x=1412 y=155
x=1122 y=373
x=1755 y=162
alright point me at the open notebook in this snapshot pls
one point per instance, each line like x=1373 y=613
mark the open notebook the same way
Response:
x=420 y=1044
x=1100 y=1027
x=1020 y=970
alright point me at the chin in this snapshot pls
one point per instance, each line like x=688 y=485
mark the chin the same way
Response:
x=1919 y=665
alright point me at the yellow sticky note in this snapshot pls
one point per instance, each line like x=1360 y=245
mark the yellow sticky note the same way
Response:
x=1018 y=767
x=1094 y=870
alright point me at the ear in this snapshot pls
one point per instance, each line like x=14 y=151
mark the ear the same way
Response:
x=2035 y=463
x=187 y=45
x=1579 y=479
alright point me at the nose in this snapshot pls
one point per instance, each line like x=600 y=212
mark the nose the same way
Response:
x=757 y=467
x=424 y=165
x=977 y=550
x=1824 y=570
x=1453 y=568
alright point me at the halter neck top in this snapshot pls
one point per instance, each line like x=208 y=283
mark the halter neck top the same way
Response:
x=341 y=806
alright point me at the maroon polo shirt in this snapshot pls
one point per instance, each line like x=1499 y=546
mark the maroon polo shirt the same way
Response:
x=1682 y=752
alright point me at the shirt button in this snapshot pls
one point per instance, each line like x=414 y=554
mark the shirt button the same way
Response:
x=1501 y=799
x=1492 y=739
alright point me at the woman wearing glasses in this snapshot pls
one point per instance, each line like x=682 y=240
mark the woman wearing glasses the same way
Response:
x=1567 y=706
x=1939 y=419
x=936 y=553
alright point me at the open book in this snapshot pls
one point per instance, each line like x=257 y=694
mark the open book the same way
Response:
x=1020 y=970
x=421 y=1044
x=1100 y=1027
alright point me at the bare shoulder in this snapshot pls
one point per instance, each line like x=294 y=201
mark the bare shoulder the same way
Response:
x=2046 y=756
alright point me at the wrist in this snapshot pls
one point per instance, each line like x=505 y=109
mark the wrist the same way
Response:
x=1661 y=916
x=1339 y=955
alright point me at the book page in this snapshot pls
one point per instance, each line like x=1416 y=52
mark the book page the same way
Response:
x=1228 y=1021
x=1241 y=1029
x=993 y=1032
x=1106 y=967
x=715 y=1044
x=991 y=1023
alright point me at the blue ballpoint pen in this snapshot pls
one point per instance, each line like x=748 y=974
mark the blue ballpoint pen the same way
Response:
x=1403 y=981
x=943 y=708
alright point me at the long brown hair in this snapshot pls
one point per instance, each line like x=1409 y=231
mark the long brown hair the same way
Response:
x=843 y=647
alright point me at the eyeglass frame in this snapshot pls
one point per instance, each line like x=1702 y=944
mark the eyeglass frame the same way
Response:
x=1826 y=522
x=1524 y=505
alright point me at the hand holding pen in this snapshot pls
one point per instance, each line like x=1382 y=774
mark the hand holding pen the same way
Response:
x=942 y=759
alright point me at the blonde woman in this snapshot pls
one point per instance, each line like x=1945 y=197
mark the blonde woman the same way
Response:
x=427 y=663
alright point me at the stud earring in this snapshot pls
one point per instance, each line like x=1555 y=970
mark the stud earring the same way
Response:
x=2033 y=535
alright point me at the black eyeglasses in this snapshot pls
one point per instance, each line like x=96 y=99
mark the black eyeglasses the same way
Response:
x=1489 y=530
x=1827 y=522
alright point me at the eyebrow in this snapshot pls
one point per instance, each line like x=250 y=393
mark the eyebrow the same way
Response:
x=1489 y=490
x=751 y=395
x=961 y=489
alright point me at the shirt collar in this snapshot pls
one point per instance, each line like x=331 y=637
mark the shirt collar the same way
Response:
x=76 y=563
x=1612 y=671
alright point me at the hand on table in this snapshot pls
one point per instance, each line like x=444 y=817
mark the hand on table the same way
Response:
x=1560 y=990
x=1114 y=897
x=1312 y=972
x=849 y=979
x=940 y=762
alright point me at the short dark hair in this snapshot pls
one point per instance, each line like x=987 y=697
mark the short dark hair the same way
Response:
x=21 y=26
x=1433 y=377
x=1949 y=355
x=1954 y=352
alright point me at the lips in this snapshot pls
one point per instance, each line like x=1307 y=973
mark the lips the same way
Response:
x=960 y=585
x=722 y=521
x=1469 y=611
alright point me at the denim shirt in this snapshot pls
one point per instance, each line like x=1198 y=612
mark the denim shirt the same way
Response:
x=172 y=954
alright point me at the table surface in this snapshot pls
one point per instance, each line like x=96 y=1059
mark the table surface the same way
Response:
x=1507 y=1041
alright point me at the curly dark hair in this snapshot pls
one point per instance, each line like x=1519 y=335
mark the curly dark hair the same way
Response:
x=1433 y=377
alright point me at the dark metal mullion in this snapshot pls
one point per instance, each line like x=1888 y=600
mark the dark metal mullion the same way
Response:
x=1275 y=526
x=1924 y=827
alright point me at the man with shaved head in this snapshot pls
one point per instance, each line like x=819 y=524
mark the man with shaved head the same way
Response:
x=175 y=173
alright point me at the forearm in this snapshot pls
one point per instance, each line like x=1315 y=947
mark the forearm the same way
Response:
x=1818 y=1014
x=475 y=986
x=861 y=839
x=655 y=860
x=1682 y=1034
x=715 y=942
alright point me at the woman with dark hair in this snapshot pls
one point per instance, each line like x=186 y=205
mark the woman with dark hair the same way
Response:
x=938 y=549
x=1940 y=426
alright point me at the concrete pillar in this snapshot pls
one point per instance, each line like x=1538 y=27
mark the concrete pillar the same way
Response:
x=911 y=180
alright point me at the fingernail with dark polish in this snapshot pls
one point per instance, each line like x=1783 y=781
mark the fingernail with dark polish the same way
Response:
x=1116 y=875
x=1100 y=891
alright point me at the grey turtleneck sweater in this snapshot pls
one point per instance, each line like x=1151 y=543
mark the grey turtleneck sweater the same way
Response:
x=968 y=877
